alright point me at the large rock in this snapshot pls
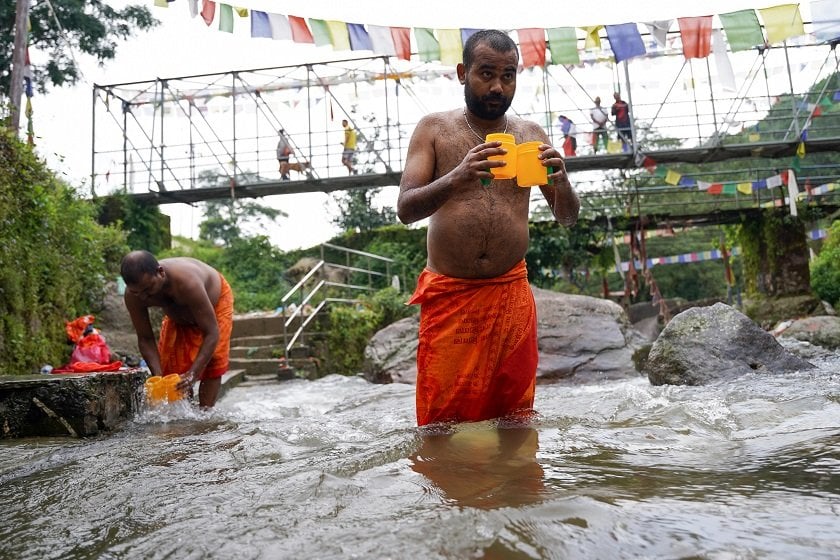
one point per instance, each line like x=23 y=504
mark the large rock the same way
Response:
x=579 y=337
x=705 y=344
x=584 y=337
x=823 y=330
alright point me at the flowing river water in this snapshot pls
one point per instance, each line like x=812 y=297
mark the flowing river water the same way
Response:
x=336 y=468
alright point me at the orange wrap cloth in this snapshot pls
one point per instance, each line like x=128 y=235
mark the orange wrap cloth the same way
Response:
x=477 y=354
x=178 y=344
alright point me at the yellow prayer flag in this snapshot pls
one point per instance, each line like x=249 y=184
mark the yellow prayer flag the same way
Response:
x=614 y=147
x=800 y=150
x=745 y=188
x=243 y=12
x=593 y=40
x=450 y=46
x=782 y=22
x=339 y=35
x=672 y=177
x=755 y=137
x=161 y=4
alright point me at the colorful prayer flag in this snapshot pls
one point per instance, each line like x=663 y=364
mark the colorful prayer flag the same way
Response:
x=381 y=40
x=782 y=22
x=208 y=12
x=659 y=30
x=260 y=27
x=241 y=12
x=359 y=38
x=466 y=33
x=625 y=41
x=402 y=42
x=280 y=28
x=532 y=46
x=742 y=30
x=696 y=35
x=562 y=43
x=672 y=177
x=339 y=34
x=428 y=47
x=744 y=188
x=450 y=46
x=226 y=18
x=320 y=32
x=300 y=33
x=726 y=75
x=593 y=38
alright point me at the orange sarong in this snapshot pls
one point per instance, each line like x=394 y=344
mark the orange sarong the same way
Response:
x=179 y=344
x=477 y=354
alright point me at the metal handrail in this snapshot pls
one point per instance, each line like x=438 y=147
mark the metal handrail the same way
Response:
x=307 y=298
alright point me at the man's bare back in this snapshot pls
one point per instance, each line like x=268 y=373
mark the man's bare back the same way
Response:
x=185 y=275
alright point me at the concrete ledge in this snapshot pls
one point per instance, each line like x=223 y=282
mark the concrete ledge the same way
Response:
x=76 y=405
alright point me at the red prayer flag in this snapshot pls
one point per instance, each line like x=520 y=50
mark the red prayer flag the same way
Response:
x=784 y=176
x=208 y=11
x=715 y=188
x=300 y=32
x=402 y=42
x=649 y=163
x=696 y=35
x=532 y=46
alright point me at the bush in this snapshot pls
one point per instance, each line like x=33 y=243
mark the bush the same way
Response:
x=825 y=270
x=351 y=328
x=54 y=260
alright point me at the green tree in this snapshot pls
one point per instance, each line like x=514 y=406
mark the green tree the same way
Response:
x=228 y=220
x=54 y=260
x=89 y=27
x=825 y=270
x=357 y=214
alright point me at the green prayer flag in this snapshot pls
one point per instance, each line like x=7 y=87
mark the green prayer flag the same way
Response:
x=826 y=102
x=742 y=30
x=660 y=172
x=427 y=46
x=562 y=43
x=795 y=164
x=730 y=188
x=320 y=32
x=226 y=18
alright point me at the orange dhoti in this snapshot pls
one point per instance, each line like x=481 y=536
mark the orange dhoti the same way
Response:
x=179 y=344
x=477 y=353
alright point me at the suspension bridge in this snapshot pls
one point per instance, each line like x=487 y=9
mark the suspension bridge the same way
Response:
x=189 y=139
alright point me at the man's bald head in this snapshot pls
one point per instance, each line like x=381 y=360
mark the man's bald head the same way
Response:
x=136 y=264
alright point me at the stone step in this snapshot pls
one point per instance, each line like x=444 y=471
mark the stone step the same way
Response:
x=275 y=339
x=260 y=325
x=247 y=352
x=256 y=366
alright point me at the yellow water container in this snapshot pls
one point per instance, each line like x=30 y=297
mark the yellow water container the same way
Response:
x=155 y=389
x=508 y=143
x=530 y=171
x=170 y=384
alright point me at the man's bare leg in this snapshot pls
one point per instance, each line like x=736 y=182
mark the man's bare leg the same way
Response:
x=208 y=392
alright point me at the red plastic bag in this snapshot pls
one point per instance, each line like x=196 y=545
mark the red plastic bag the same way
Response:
x=91 y=348
x=76 y=328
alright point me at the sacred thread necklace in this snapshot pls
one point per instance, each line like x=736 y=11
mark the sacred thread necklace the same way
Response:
x=480 y=139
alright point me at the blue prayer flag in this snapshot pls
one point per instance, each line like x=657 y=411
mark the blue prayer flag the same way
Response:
x=625 y=40
x=260 y=26
x=359 y=38
x=466 y=33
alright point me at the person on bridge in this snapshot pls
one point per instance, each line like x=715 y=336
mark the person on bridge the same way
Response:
x=477 y=353
x=621 y=112
x=284 y=151
x=349 y=147
x=599 y=119
x=197 y=304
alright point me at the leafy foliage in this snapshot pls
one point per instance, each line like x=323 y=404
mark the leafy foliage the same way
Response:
x=147 y=228
x=352 y=327
x=91 y=27
x=825 y=271
x=356 y=211
x=54 y=261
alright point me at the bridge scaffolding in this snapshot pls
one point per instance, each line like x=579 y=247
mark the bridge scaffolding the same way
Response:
x=192 y=138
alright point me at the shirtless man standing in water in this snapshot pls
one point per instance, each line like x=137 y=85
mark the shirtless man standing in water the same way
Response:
x=477 y=354
x=197 y=303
